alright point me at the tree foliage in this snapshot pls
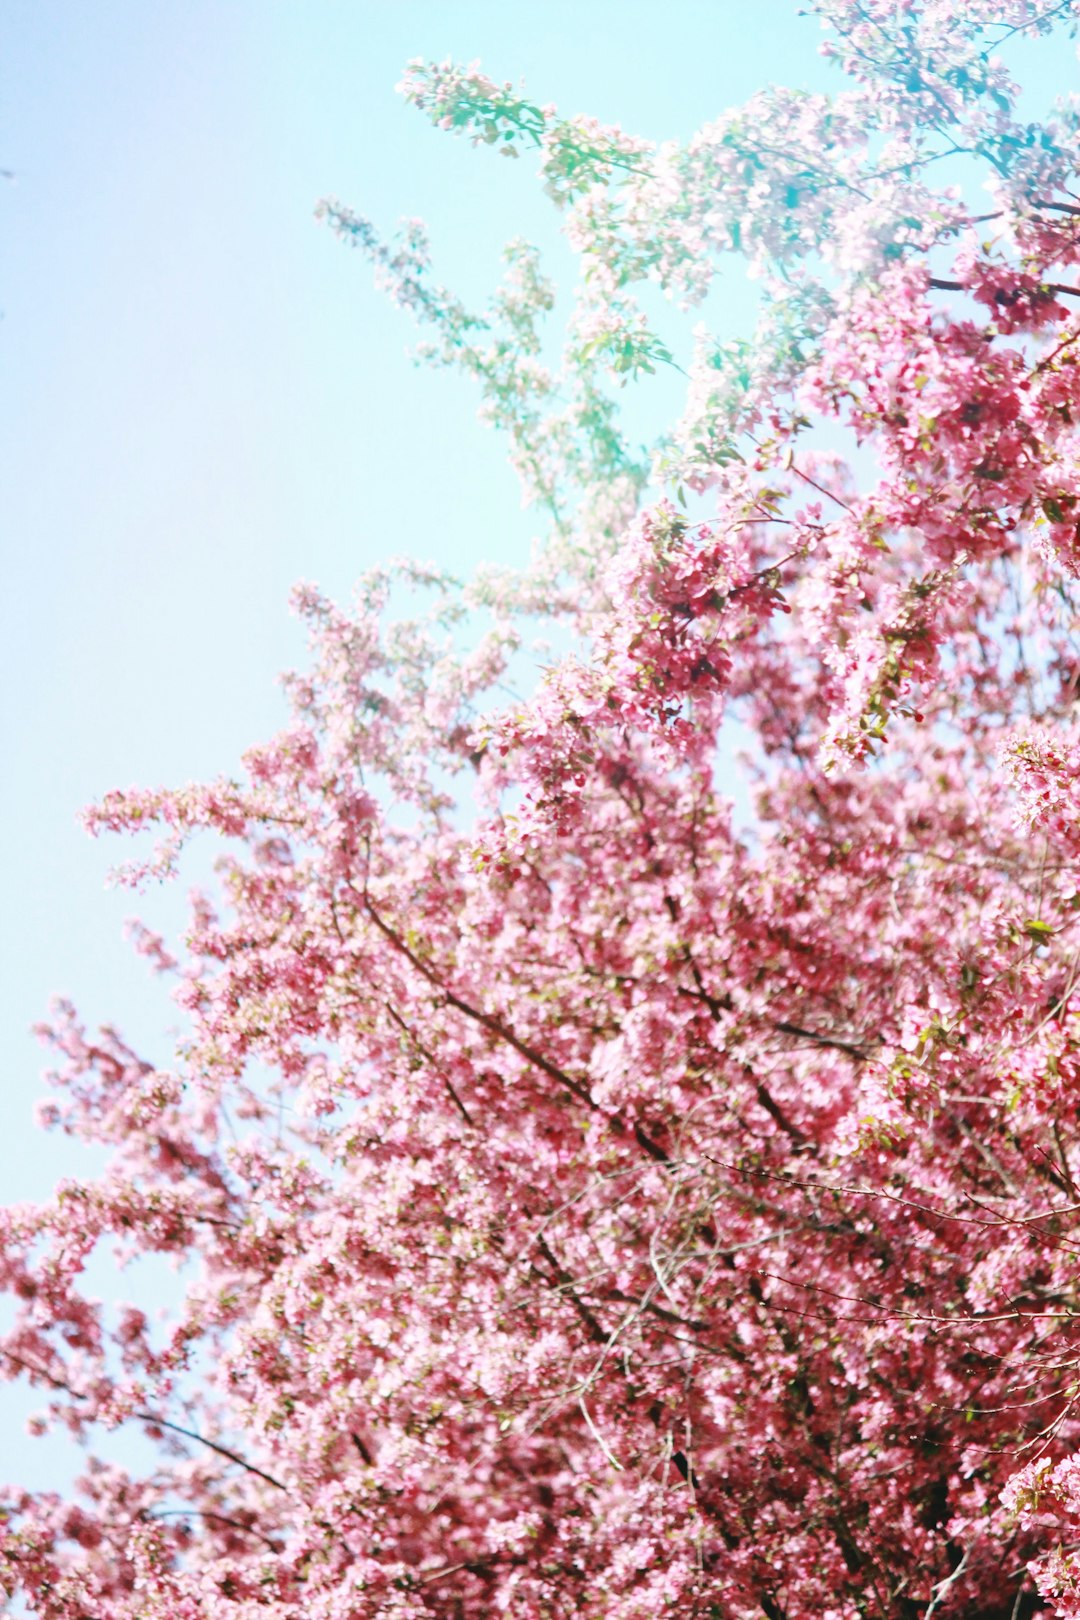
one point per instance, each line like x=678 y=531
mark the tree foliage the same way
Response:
x=591 y=1208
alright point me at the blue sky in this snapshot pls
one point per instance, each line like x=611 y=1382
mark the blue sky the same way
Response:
x=205 y=401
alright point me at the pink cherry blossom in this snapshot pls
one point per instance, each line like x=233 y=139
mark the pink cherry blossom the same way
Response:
x=590 y=1199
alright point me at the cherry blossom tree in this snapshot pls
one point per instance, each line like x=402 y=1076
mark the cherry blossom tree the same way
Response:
x=588 y=1205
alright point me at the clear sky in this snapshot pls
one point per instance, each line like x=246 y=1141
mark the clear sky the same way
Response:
x=204 y=400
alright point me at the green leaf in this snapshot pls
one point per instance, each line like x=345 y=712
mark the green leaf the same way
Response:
x=1035 y=928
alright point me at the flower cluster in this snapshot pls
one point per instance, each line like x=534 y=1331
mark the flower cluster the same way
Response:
x=583 y=1207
